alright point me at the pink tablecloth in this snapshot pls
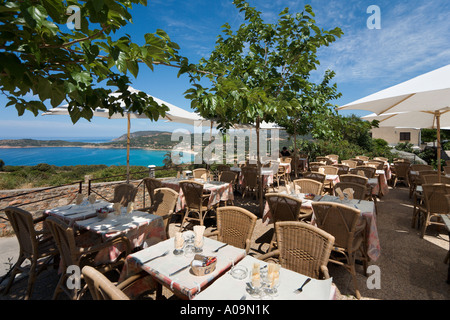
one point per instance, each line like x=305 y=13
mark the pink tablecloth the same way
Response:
x=184 y=284
x=367 y=209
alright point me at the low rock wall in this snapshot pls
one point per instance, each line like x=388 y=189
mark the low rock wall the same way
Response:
x=38 y=200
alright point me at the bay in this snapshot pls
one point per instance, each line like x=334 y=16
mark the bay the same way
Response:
x=72 y=156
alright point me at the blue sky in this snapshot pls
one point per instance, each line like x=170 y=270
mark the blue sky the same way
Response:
x=413 y=39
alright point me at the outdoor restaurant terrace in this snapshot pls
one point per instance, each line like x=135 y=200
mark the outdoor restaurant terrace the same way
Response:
x=359 y=228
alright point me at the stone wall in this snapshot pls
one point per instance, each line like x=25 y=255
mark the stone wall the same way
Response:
x=38 y=200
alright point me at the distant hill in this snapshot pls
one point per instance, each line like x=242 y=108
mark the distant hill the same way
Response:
x=140 y=139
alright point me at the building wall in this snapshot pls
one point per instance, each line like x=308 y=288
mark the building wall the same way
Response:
x=392 y=135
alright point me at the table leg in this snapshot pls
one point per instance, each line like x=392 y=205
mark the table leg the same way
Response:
x=448 y=273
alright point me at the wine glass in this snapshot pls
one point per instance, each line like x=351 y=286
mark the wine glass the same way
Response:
x=91 y=200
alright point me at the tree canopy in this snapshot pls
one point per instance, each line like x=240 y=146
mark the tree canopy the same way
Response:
x=262 y=71
x=42 y=58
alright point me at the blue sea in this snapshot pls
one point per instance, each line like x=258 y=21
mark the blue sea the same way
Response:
x=70 y=156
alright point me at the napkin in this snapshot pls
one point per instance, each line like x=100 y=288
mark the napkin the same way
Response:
x=340 y=193
x=117 y=208
x=321 y=170
x=179 y=240
x=349 y=192
x=256 y=276
x=79 y=199
x=198 y=236
x=130 y=207
x=288 y=188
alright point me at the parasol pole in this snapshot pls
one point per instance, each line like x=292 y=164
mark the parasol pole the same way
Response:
x=128 y=147
x=438 y=124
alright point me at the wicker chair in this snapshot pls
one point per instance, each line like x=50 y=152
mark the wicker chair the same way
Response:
x=447 y=169
x=74 y=255
x=420 y=167
x=196 y=202
x=124 y=194
x=201 y=173
x=360 y=190
x=235 y=226
x=101 y=288
x=309 y=186
x=381 y=159
x=359 y=162
x=324 y=160
x=354 y=178
x=34 y=246
x=284 y=208
x=332 y=170
x=363 y=158
x=164 y=205
x=151 y=184
x=315 y=176
x=333 y=157
x=350 y=163
x=314 y=166
x=369 y=172
x=302 y=248
x=400 y=172
x=434 y=178
x=435 y=204
x=342 y=168
x=378 y=165
x=250 y=180
x=348 y=228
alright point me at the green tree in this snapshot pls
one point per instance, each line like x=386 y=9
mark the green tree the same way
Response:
x=258 y=71
x=41 y=57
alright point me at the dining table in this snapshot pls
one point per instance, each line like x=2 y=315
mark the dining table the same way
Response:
x=367 y=209
x=141 y=228
x=232 y=287
x=174 y=271
x=218 y=191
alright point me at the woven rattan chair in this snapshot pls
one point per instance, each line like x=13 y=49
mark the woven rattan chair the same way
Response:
x=354 y=178
x=381 y=159
x=435 y=204
x=420 y=167
x=201 y=173
x=400 y=172
x=124 y=194
x=228 y=176
x=333 y=157
x=284 y=208
x=308 y=186
x=314 y=166
x=434 y=178
x=332 y=170
x=360 y=190
x=324 y=160
x=235 y=226
x=315 y=176
x=151 y=184
x=302 y=248
x=164 y=205
x=348 y=228
x=251 y=184
x=350 y=163
x=342 y=169
x=359 y=162
x=369 y=172
x=363 y=158
x=74 y=255
x=378 y=165
x=447 y=169
x=196 y=202
x=100 y=287
x=34 y=246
